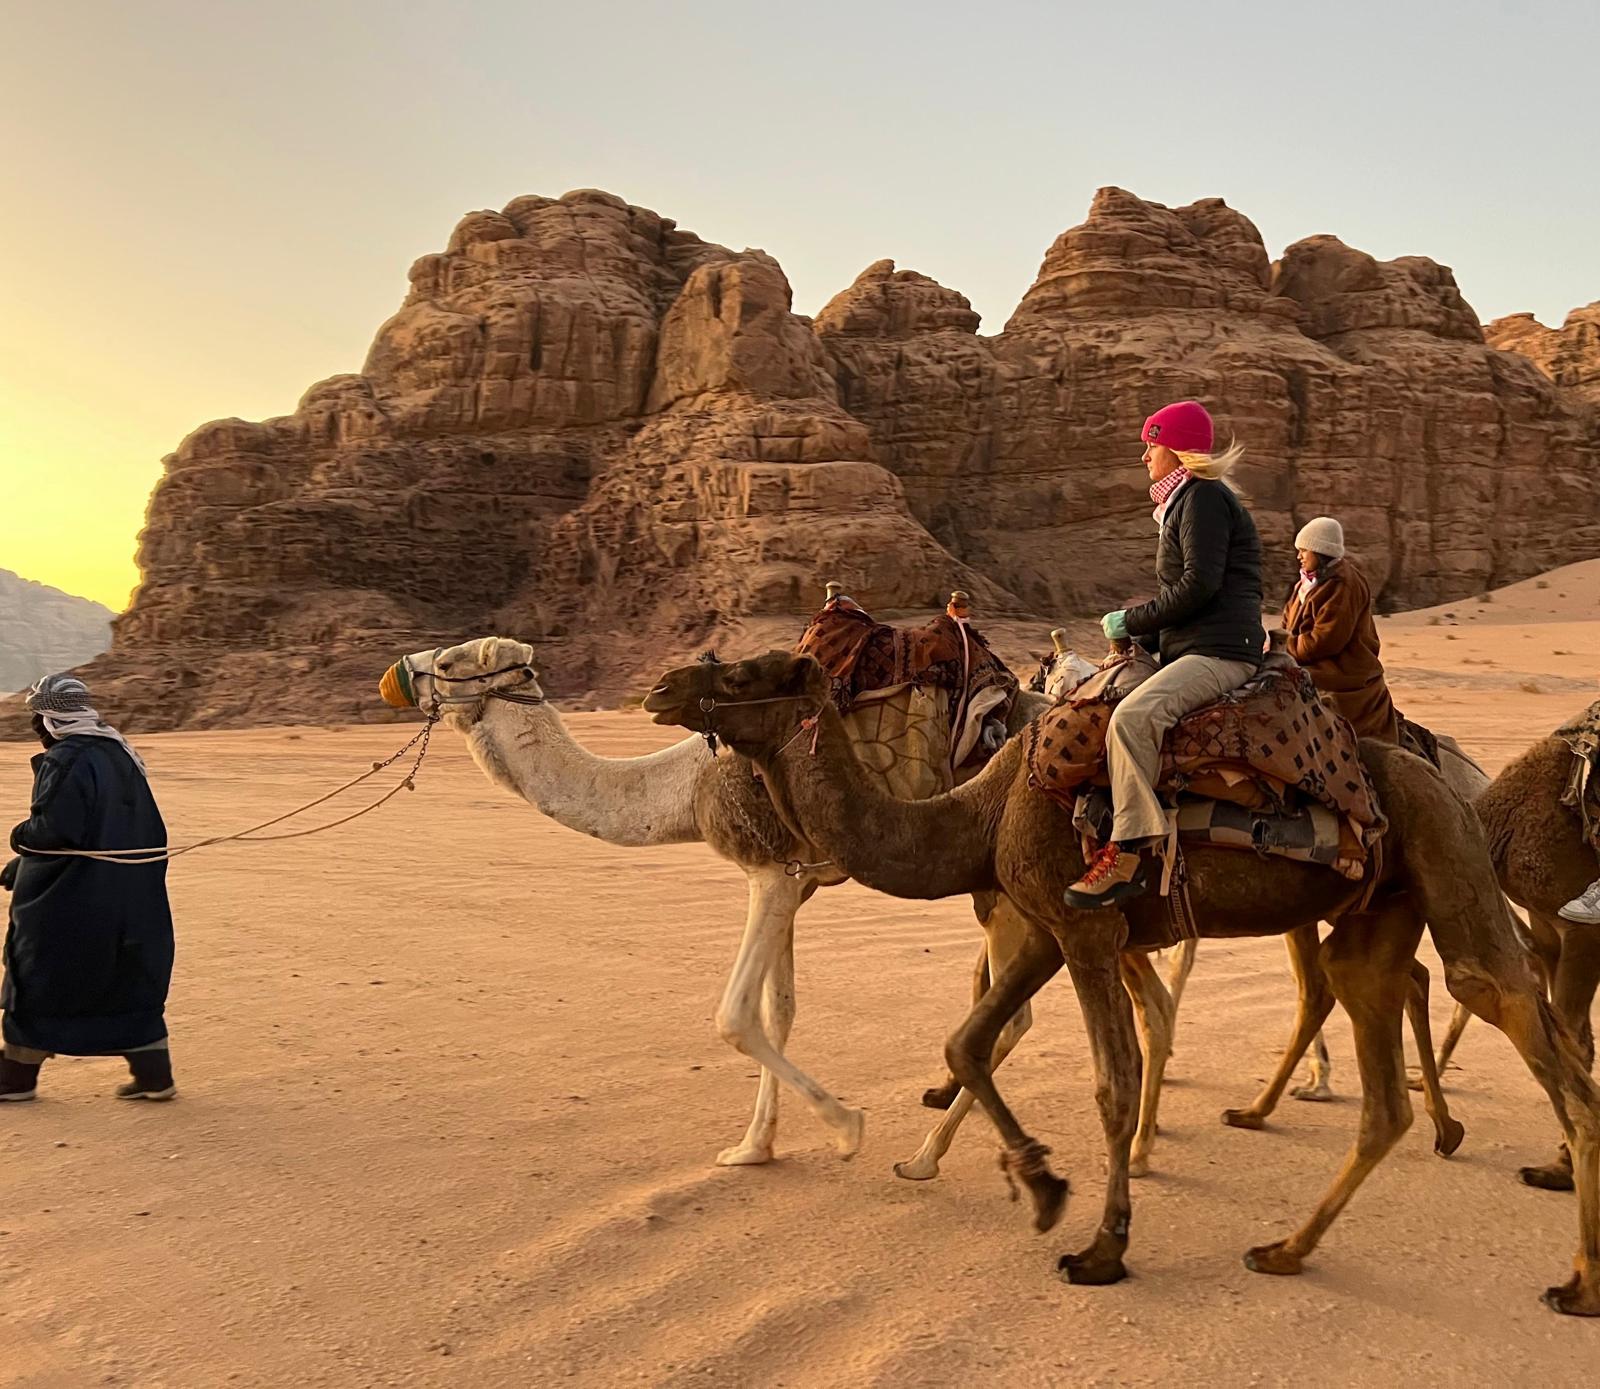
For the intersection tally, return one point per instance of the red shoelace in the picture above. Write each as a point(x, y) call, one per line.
point(1101, 868)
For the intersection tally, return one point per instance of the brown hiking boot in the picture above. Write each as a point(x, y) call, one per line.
point(1114, 875)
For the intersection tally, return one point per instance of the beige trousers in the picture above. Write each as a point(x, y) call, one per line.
point(1141, 721)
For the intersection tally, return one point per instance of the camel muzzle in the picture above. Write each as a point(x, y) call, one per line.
point(395, 688)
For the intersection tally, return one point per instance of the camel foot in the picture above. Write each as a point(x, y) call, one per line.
point(1553, 1176)
point(1413, 1080)
point(1317, 1093)
point(847, 1141)
point(1448, 1137)
point(1139, 1164)
point(1274, 1258)
point(745, 1155)
point(1049, 1194)
point(1573, 1299)
point(1092, 1268)
point(941, 1096)
point(918, 1169)
point(1243, 1119)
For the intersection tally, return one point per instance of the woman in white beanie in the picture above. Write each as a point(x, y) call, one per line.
point(1332, 633)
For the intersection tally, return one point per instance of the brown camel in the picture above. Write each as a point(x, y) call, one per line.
point(998, 832)
point(1543, 861)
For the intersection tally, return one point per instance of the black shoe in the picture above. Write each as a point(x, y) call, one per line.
point(152, 1076)
point(17, 1080)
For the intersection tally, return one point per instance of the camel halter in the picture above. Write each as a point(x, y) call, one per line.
point(401, 677)
point(709, 704)
point(812, 723)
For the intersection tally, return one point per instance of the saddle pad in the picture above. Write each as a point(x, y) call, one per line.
point(1264, 746)
point(1309, 834)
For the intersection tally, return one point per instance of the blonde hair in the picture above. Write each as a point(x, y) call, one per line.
point(1214, 467)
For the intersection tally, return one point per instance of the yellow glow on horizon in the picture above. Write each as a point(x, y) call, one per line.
point(74, 495)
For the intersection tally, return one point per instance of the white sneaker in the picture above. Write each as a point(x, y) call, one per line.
point(1585, 907)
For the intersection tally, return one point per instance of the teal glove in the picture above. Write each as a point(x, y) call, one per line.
point(1115, 625)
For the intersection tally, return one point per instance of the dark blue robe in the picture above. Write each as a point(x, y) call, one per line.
point(88, 955)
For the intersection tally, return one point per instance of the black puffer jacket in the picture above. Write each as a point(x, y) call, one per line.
point(1209, 566)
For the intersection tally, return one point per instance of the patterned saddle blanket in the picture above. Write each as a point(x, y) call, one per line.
point(1270, 746)
point(861, 656)
point(1582, 735)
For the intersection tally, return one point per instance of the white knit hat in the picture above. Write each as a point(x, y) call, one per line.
point(1321, 535)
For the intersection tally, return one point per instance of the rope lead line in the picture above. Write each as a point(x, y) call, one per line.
point(253, 835)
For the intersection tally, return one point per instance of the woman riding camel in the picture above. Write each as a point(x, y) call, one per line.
point(1205, 622)
point(1332, 634)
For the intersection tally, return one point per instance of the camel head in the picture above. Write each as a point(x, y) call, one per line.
point(754, 706)
point(456, 681)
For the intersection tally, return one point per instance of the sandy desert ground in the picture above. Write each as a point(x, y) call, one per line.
point(451, 1091)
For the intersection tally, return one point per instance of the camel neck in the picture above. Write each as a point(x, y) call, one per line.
point(917, 849)
point(628, 801)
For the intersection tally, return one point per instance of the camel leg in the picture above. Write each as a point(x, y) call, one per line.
point(1452, 1037)
point(1178, 975)
point(970, 1051)
point(1447, 1132)
point(1108, 1020)
point(943, 1095)
point(768, 946)
point(1319, 1088)
point(1367, 962)
point(1004, 929)
point(1502, 992)
point(777, 1019)
point(1573, 978)
point(1315, 1003)
point(1487, 967)
point(1156, 1011)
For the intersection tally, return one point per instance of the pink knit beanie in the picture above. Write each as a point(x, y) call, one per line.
point(1184, 427)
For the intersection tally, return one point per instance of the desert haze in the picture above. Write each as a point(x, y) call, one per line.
point(451, 1095)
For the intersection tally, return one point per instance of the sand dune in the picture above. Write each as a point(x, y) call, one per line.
point(451, 1091)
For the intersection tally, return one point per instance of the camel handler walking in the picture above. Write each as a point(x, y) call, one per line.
point(1205, 622)
point(1331, 631)
point(88, 956)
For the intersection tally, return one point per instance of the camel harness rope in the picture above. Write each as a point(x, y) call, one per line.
point(164, 853)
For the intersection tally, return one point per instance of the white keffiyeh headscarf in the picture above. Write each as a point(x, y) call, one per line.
point(62, 701)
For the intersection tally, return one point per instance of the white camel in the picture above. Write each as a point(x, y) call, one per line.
point(488, 690)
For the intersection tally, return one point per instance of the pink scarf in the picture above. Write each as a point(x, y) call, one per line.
point(1161, 492)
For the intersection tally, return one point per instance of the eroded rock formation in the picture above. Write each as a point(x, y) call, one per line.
point(1568, 355)
point(591, 429)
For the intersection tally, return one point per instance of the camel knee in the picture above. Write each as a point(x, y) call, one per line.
point(1475, 990)
point(966, 1063)
point(738, 1027)
point(1017, 1028)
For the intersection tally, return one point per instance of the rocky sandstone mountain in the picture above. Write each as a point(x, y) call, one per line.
point(1568, 355)
point(43, 630)
point(591, 429)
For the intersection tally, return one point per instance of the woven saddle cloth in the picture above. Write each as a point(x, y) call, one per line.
point(1269, 746)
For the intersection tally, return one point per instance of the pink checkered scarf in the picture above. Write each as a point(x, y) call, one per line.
point(1161, 492)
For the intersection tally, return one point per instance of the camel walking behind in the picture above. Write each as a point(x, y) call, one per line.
point(1000, 833)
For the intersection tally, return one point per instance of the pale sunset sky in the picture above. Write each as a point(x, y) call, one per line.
point(210, 204)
